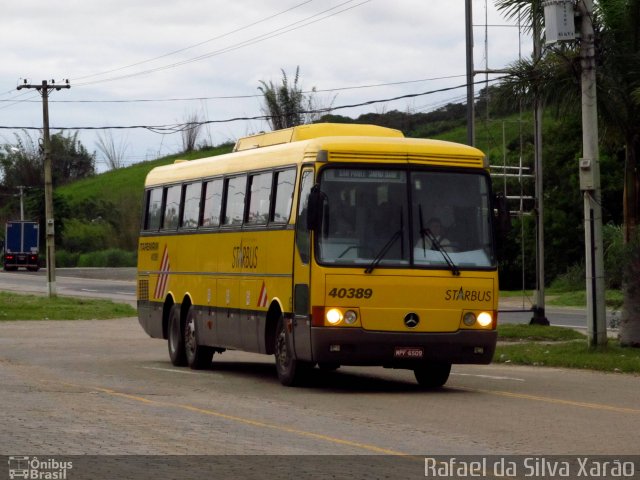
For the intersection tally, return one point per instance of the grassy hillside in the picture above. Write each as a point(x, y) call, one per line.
point(124, 181)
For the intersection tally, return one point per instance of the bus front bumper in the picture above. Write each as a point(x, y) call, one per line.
point(355, 346)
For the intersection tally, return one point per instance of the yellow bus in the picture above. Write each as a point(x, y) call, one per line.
point(326, 245)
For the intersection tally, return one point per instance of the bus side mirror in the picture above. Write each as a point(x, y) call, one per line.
point(314, 208)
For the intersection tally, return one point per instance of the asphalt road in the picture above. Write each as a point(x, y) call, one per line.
point(104, 387)
point(107, 392)
point(117, 284)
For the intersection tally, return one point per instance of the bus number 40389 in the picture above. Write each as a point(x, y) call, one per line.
point(351, 293)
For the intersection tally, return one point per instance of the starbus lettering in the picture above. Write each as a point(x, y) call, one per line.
point(467, 295)
point(245, 257)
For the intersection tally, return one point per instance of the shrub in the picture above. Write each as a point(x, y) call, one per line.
point(65, 259)
point(112, 258)
point(573, 279)
point(614, 255)
point(614, 264)
point(82, 236)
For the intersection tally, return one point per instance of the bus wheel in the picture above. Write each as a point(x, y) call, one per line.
point(290, 370)
point(198, 356)
point(432, 375)
point(176, 340)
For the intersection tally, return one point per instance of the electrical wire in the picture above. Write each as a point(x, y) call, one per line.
point(218, 37)
point(252, 41)
point(179, 127)
point(237, 97)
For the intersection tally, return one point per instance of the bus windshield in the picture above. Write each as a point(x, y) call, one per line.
point(405, 218)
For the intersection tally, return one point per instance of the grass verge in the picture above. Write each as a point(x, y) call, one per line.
point(561, 347)
point(558, 298)
point(32, 307)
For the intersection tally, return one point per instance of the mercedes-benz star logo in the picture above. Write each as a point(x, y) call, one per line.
point(411, 320)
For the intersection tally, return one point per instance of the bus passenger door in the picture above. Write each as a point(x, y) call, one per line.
point(301, 273)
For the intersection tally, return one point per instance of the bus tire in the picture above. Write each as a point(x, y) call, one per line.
point(432, 375)
point(198, 356)
point(175, 338)
point(291, 372)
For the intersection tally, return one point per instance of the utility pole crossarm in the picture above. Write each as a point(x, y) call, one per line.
point(45, 85)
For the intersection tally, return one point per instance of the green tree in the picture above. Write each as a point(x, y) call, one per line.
point(70, 160)
point(22, 163)
point(617, 28)
point(286, 105)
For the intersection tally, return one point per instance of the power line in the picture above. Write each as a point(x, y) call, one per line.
point(274, 33)
point(179, 127)
point(218, 37)
point(237, 97)
point(251, 41)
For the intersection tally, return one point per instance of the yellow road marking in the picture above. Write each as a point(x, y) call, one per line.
point(340, 441)
point(557, 401)
point(253, 423)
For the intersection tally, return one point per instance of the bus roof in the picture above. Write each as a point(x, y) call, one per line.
point(316, 130)
point(343, 142)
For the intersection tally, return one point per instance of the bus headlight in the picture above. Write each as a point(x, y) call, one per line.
point(350, 317)
point(469, 319)
point(484, 319)
point(334, 316)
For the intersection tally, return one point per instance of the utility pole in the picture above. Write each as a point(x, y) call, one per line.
point(468, 17)
point(44, 89)
point(539, 317)
point(590, 183)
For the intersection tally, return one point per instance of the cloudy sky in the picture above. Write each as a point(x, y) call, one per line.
point(157, 62)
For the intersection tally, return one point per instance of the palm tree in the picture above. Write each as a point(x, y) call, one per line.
point(554, 76)
point(284, 104)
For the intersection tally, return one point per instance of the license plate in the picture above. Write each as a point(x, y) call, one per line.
point(408, 352)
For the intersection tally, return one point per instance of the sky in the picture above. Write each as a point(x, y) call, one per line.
point(157, 63)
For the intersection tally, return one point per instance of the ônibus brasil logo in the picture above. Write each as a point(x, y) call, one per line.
point(35, 468)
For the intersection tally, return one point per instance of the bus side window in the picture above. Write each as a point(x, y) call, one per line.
point(283, 195)
point(234, 200)
point(153, 212)
point(259, 196)
point(172, 207)
point(302, 233)
point(212, 203)
point(190, 204)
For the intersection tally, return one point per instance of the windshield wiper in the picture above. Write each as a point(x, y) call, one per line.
point(383, 251)
point(425, 232)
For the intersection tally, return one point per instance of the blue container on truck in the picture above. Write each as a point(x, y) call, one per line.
point(22, 245)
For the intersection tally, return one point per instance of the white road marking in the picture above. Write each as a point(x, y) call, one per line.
point(172, 370)
point(492, 377)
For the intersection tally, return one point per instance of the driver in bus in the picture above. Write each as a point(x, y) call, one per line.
point(435, 226)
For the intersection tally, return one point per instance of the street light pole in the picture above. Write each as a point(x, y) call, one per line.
point(48, 181)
